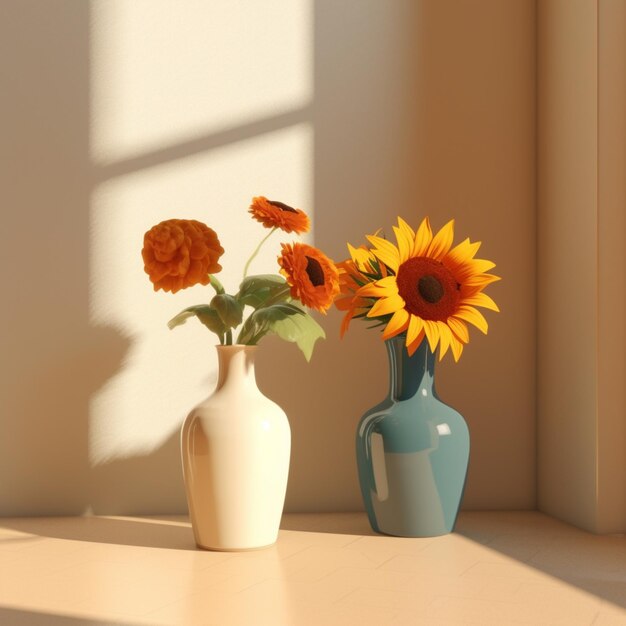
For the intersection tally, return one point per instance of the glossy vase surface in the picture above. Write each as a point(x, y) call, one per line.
point(235, 451)
point(412, 451)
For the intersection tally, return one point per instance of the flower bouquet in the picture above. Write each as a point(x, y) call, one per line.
point(181, 253)
point(236, 444)
point(412, 449)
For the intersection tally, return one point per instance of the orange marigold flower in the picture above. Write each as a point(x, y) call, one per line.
point(274, 214)
point(180, 253)
point(312, 276)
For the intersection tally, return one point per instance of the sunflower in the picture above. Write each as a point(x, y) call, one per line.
point(312, 276)
point(274, 214)
point(431, 290)
point(180, 253)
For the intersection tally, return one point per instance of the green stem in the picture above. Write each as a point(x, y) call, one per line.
point(245, 269)
point(219, 288)
point(226, 339)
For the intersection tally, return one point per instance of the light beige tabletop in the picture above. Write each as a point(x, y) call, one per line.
point(326, 569)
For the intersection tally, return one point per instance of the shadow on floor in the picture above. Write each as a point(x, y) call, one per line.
point(594, 563)
point(173, 533)
point(15, 617)
point(332, 523)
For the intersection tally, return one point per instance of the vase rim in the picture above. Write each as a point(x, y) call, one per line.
point(235, 347)
point(401, 338)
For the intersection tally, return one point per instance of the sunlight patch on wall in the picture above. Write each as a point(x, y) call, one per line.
point(166, 76)
point(165, 72)
point(166, 372)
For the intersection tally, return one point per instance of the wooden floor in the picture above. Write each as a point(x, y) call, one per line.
point(497, 568)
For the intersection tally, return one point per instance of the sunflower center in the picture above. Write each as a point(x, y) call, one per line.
point(282, 206)
point(314, 271)
point(428, 288)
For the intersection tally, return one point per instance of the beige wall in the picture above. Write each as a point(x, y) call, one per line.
point(611, 499)
point(122, 114)
point(581, 165)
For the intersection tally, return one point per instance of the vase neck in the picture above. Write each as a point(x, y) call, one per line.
point(410, 375)
point(236, 366)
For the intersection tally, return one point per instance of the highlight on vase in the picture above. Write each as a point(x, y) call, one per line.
point(180, 253)
point(420, 287)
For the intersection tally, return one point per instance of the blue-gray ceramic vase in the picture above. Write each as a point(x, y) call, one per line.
point(412, 451)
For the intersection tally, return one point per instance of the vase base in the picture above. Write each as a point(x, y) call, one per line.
point(413, 536)
point(253, 549)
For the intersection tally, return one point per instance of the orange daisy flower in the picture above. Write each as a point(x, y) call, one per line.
point(180, 253)
point(312, 276)
point(274, 214)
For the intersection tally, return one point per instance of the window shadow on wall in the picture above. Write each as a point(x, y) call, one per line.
point(52, 358)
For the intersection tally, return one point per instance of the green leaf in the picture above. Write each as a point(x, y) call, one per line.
point(377, 325)
point(301, 329)
point(205, 313)
point(376, 266)
point(263, 290)
point(259, 322)
point(287, 321)
point(371, 276)
point(228, 309)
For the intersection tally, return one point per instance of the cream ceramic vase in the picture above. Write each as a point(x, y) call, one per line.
point(235, 451)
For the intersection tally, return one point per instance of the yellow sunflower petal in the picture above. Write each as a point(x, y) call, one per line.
point(361, 256)
point(389, 282)
point(384, 306)
point(473, 316)
point(442, 242)
point(402, 224)
point(416, 326)
point(473, 267)
point(353, 251)
point(459, 329)
point(481, 299)
point(384, 287)
point(457, 348)
point(445, 337)
point(432, 333)
point(461, 253)
point(405, 237)
point(423, 237)
point(414, 345)
point(385, 251)
point(480, 280)
point(397, 324)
